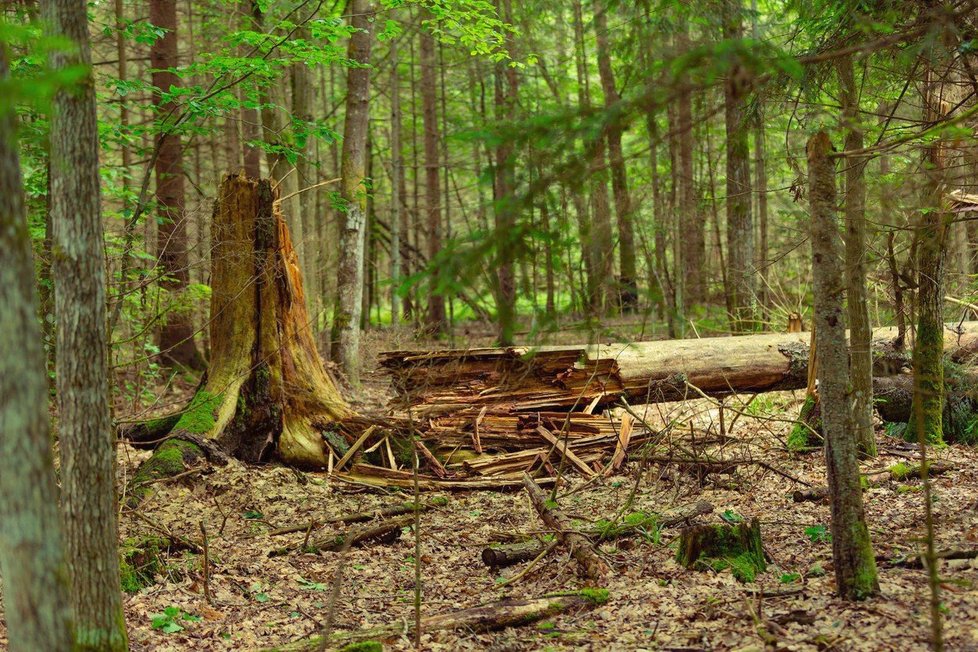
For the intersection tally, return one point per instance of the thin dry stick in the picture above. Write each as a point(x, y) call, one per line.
point(516, 578)
point(206, 563)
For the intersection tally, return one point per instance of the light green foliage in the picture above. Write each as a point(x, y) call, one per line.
point(363, 646)
point(801, 437)
point(818, 534)
point(172, 620)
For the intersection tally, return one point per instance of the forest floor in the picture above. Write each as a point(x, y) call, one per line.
point(259, 601)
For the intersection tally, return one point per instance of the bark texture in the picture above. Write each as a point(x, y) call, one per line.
point(86, 434)
point(740, 225)
point(861, 331)
point(852, 551)
point(436, 321)
point(32, 560)
point(349, 280)
point(176, 339)
point(692, 244)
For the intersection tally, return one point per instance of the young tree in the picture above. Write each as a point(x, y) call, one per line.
point(349, 281)
point(397, 184)
point(176, 338)
point(32, 563)
point(86, 434)
point(852, 551)
point(692, 246)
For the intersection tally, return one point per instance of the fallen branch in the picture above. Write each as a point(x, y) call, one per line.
point(384, 532)
point(359, 517)
point(486, 618)
point(580, 547)
point(896, 473)
point(508, 554)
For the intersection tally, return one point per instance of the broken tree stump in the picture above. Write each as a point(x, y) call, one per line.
point(580, 547)
point(266, 389)
point(721, 546)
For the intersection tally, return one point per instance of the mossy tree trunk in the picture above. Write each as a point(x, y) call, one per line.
point(852, 551)
point(266, 389)
point(721, 546)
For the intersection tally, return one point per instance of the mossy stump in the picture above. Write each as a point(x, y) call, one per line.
point(721, 546)
point(806, 434)
point(266, 390)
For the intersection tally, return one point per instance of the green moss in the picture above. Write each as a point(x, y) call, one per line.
point(198, 418)
point(723, 546)
point(900, 471)
point(593, 595)
point(170, 459)
point(363, 646)
point(909, 489)
point(927, 410)
point(801, 436)
point(140, 562)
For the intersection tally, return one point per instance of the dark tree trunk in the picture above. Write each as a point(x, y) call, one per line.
point(32, 558)
point(740, 225)
point(436, 321)
point(176, 338)
point(693, 242)
point(852, 551)
point(86, 436)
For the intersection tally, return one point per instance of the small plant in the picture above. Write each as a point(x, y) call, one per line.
point(169, 621)
point(731, 516)
point(790, 578)
point(818, 534)
point(312, 586)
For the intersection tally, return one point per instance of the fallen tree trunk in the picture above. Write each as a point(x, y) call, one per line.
point(560, 378)
point(894, 397)
point(508, 554)
point(580, 546)
point(486, 618)
point(896, 473)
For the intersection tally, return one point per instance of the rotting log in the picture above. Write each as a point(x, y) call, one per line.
point(360, 517)
point(507, 554)
point(896, 473)
point(517, 379)
point(894, 397)
point(486, 618)
point(580, 546)
point(384, 532)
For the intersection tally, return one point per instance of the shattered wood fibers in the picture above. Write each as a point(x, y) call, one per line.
point(258, 601)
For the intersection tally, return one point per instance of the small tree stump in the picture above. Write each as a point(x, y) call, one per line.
point(721, 546)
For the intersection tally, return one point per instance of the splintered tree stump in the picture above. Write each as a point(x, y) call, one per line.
point(721, 546)
point(266, 389)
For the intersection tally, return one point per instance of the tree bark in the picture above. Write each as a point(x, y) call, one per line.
point(176, 338)
point(436, 320)
point(86, 435)
point(266, 389)
point(397, 185)
point(250, 122)
point(627, 281)
point(852, 551)
point(856, 254)
point(349, 283)
point(740, 225)
point(303, 99)
point(693, 242)
point(32, 558)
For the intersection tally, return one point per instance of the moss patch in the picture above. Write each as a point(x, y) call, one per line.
point(723, 546)
point(801, 437)
point(199, 416)
point(140, 562)
point(363, 646)
point(172, 457)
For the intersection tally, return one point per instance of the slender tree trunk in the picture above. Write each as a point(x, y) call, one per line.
point(32, 559)
point(176, 338)
point(760, 181)
point(349, 282)
point(250, 122)
point(928, 362)
point(852, 550)
point(693, 243)
point(628, 282)
point(435, 322)
point(86, 434)
point(397, 185)
point(302, 109)
point(740, 226)
point(861, 331)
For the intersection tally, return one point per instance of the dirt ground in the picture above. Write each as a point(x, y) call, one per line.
point(259, 601)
